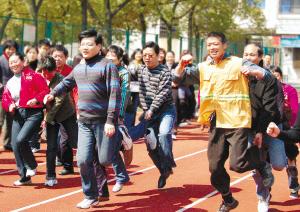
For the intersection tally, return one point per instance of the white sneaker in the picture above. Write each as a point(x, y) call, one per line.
point(20, 182)
point(87, 203)
point(30, 172)
point(150, 138)
point(126, 141)
point(263, 204)
point(174, 137)
point(117, 187)
point(51, 182)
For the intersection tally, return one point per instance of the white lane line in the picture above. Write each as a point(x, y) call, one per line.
point(14, 170)
point(111, 180)
point(213, 193)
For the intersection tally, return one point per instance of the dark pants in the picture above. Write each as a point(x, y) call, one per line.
point(25, 123)
point(241, 158)
point(52, 132)
point(6, 124)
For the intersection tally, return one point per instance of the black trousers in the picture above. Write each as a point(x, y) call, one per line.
point(232, 143)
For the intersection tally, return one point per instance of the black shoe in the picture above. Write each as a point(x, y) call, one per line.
point(224, 207)
point(267, 176)
point(66, 171)
point(163, 179)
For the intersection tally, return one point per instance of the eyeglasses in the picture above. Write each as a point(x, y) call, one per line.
point(148, 55)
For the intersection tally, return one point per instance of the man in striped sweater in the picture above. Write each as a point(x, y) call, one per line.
point(98, 105)
point(159, 111)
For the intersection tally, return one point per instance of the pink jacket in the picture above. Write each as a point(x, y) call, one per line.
point(33, 85)
point(291, 96)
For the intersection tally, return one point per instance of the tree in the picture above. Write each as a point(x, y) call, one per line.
point(34, 8)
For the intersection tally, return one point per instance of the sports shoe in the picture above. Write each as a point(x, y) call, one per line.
point(126, 141)
point(150, 138)
point(174, 136)
point(35, 150)
point(51, 182)
point(263, 204)
point(294, 193)
point(25, 181)
point(267, 175)
point(66, 171)
point(117, 187)
point(87, 203)
point(30, 172)
point(224, 207)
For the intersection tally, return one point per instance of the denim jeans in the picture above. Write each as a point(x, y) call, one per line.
point(91, 137)
point(25, 123)
point(71, 128)
point(162, 122)
point(276, 151)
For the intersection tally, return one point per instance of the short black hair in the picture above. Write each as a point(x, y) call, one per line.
point(60, 48)
point(134, 53)
point(10, 44)
point(47, 63)
point(217, 35)
point(276, 69)
point(19, 55)
point(152, 45)
point(91, 33)
point(44, 42)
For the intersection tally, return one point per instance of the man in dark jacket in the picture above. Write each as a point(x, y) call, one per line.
point(9, 48)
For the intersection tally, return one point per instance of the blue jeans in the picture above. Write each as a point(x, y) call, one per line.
point(91, 137)
point(162, 122)
point(119, 167)
point(276, 151)
point(25, 123)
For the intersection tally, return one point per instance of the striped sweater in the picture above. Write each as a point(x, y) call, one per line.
point(98, 85)
point(155, 88)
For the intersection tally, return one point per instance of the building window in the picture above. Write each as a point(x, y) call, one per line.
point(289, 7)
point(260, 4)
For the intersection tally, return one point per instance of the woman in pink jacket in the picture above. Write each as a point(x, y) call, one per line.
point(23, 98)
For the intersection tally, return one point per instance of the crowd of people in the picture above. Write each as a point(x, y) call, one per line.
point(91, 105)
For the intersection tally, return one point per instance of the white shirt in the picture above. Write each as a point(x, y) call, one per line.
point(14, 87)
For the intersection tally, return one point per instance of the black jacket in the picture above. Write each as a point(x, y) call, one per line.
point(265, 103)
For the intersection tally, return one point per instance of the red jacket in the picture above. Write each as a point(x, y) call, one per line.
point(33, 85)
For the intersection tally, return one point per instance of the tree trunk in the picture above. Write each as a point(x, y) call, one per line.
point(143, 28)
point(190, 29)
point(84, 8)
point(108, 22)
point(170, 36)
point(3, 26)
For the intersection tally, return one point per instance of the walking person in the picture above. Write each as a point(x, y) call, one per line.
point(98, 109)
point(225, 106)
point(267, 106)
point(61, 112)
point(9, 48)
point(23, 98)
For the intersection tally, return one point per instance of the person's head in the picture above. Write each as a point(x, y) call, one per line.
point(150, 54)
point(60, 54)
point(48, 67)
point(216, 44)
point(267, 60)
point(44, 47)
point(162, 56)
point(277, 72)
point(10, 47)
point(16, 63)
point(170, 57)
point(31, 53)
point(253, 53)
point(137, 56)
point(116, 55)
point(90, 43)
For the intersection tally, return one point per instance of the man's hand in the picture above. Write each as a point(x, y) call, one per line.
point(273, 130)
point(148, 115)
point(32, 102)
point(109, 130)
point(12, 108)
point(246, 71)
point(48, 98)
point(257, 141)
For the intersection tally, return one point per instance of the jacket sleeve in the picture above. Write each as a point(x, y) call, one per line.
point(7, 100)
point(58, 101)
point(41, 86)
point(113, 93)
point(65, 86)
point(293, 134)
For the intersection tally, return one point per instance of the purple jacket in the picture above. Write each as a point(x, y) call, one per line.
point(291, 97)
